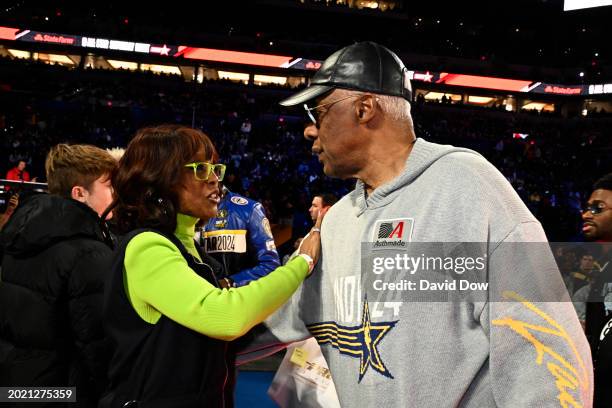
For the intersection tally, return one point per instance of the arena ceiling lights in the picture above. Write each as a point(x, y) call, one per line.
point(582, 4)
point(280, 61)
point(437, 96)
point(118, 64)
point(235, 57)
point(483, 82)
point(20, 54)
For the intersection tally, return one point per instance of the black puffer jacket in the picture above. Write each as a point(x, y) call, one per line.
point(56, 261)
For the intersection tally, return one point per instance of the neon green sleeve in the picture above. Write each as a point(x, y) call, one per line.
point(158, 281)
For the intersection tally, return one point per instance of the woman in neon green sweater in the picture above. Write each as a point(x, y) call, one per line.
point(170, 322)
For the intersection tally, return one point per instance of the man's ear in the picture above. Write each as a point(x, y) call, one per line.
point(79, 193)
point(366, 108)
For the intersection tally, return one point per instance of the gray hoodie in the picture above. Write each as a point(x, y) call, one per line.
point(520, 350)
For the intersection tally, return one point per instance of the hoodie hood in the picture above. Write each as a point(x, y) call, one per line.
point(41, 220)
point(423, 155)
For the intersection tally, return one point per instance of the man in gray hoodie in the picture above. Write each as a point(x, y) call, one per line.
point(396, 342)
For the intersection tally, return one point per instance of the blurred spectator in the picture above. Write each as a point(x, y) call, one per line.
point(19, 173)
point(583, 276)
point(320, 202)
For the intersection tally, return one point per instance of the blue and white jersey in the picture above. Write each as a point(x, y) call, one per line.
point(241, 239)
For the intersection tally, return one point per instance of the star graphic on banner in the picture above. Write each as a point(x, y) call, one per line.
point(427, 77)
point(164, 50)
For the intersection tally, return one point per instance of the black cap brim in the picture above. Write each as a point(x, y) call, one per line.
point(306, 95)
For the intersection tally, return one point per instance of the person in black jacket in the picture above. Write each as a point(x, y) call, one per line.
point(56, 260)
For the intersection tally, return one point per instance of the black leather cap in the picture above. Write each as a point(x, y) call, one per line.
point(364, 66)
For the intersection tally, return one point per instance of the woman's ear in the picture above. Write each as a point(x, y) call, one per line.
point(79, 193)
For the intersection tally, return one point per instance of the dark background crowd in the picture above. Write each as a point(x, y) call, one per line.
point(552, 169)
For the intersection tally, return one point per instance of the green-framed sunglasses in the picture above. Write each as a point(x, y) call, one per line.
point(203, 170)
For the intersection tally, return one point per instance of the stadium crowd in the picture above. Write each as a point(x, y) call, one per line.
point(262, 143)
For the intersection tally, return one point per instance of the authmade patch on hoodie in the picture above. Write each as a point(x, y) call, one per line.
point(393, 233)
